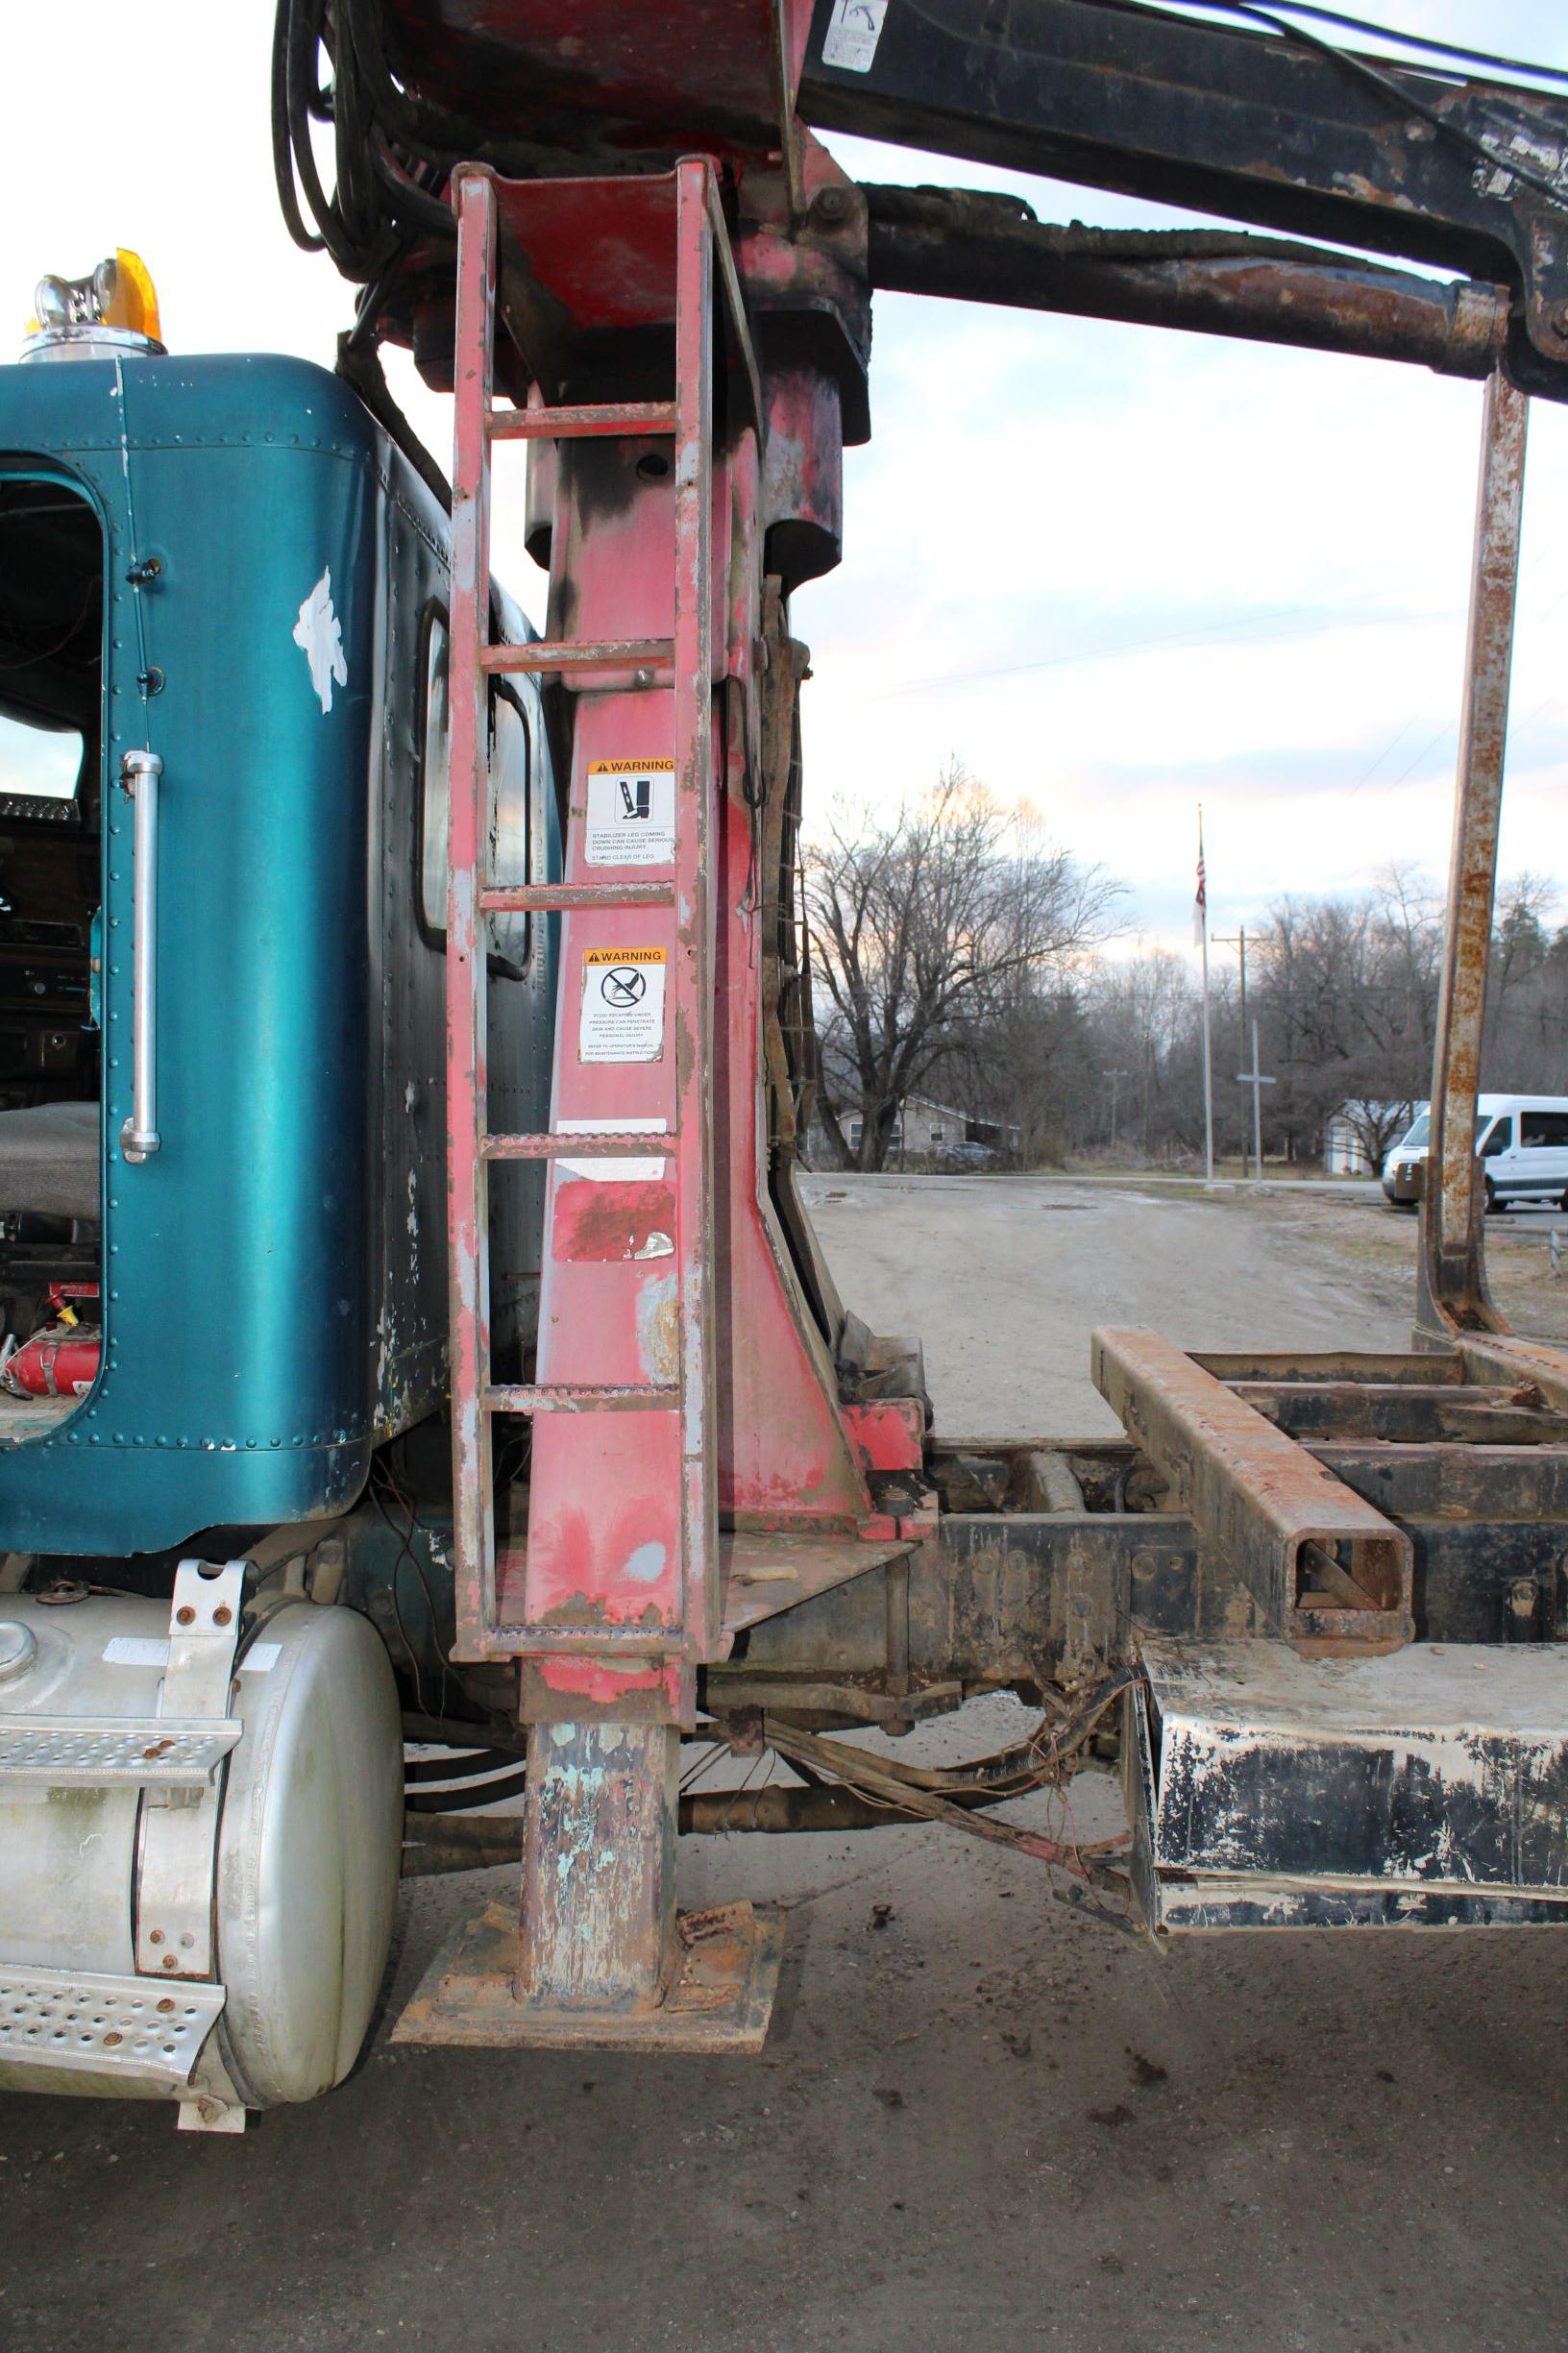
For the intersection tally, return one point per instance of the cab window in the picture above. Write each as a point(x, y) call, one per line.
point(511, 780)
point(433, 803)
point(1501, 1139)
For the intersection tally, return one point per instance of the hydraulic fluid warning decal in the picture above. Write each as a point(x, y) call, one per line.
point(631, 813)
point(622, 1005)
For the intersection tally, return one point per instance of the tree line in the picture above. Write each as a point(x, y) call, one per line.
point(954, 953)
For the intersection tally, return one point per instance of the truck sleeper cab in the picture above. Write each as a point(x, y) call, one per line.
point(226, 562)
point(1522, 1139)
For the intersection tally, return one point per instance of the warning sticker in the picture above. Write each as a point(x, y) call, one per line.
point(622, 1005)
point(631, 813)
point(853, 32)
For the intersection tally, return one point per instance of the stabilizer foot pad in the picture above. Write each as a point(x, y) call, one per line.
point(720, 2003)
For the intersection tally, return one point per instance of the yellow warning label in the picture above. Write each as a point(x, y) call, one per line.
point(622, 1004)
point(630, 816)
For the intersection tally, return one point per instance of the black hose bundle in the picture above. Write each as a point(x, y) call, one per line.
point(391, 153)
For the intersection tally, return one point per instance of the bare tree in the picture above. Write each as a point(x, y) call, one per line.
point(923, 930)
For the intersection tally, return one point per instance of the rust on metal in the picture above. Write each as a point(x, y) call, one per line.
point(1455, 1296)
point(1475, 1414)
point(977, 246)
point(610, 420)
point(719, 1999)
point(1320, 1562)
point(648, 658)
point(557, 897)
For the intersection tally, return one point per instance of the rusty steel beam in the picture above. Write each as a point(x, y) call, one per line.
point(990, 248)
point(1322, 1564)
point(1427, 167)
point(1452, 1294)
point(1477, 1413)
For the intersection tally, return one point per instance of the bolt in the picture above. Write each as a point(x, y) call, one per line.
point(831, 205)
point(185, 1616)
point(1521, 1596)
point(170, 1961)
point(157, 1937)
point(222, 1614)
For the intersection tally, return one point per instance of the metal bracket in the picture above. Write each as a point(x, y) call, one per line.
point(178, 1827)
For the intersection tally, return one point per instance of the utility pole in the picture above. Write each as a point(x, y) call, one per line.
point(1116, 1078)
point(1254, 1079)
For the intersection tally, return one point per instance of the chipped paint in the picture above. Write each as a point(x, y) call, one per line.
point(319, 635)
point(1440, 1768)
point(658, 1327)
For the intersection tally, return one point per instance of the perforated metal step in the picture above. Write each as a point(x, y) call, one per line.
point(101, 1751)
point(133, 2027)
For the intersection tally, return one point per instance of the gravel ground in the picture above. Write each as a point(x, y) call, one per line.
point(981, 2120)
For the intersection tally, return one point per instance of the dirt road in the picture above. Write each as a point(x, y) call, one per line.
point(1005, 1278)
point(982, 2123)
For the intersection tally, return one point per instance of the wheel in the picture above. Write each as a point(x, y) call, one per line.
point(1563, 1203)
point(1491, 1192)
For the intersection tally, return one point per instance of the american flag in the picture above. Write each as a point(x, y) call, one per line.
point(1200, 903)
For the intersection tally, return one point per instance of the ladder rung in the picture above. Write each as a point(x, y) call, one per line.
point(575, 655)
point(610, 420)
point(549, 897)
point(580, 1396)
point(596, 1144)
point(603, 1641)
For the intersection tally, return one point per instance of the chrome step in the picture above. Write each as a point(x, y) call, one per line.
point(105, 1752)
point(135, 2028)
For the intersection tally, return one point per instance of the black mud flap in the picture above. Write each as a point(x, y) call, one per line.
point(1426, 1788)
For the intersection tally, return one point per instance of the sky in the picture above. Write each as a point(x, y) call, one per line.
point(1118, 570)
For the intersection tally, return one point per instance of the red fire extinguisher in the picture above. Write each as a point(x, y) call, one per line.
point(62, 1359)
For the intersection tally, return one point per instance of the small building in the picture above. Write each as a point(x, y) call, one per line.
point(924, 1130)
point(1352, 1133)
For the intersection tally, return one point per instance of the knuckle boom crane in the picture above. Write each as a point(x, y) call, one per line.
point(615, 1460)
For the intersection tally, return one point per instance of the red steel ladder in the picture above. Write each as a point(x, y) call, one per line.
point(684, 661)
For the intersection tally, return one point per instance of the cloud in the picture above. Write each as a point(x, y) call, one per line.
point(1040, 491)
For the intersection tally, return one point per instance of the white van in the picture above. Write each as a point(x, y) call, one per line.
point(1521, 1138)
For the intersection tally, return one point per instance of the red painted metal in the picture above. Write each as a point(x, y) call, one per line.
point(888, 1435)
point(669, 1298)
point(605, 1144)
point(548, 897)
point(654, 655)
point(62, 1360)
point(608, 420)
point(709, 73)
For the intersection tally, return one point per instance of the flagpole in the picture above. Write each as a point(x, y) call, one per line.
point(1207, 1057)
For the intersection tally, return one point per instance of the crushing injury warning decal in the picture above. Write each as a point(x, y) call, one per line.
point(622, 1005)
point(631, 813)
